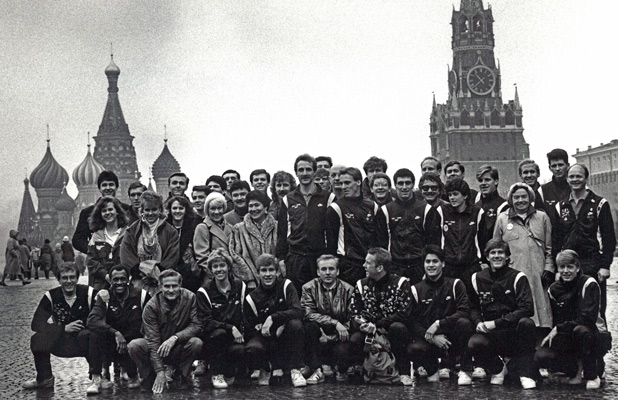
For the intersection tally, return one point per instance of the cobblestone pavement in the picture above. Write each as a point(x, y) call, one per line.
point(17, 304)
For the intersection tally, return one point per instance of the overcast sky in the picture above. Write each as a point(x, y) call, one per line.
point(248, 84)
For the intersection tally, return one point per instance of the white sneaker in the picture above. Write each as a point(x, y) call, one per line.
point(464, 379)
point(95, 387)
point(422, 372)
point(327, 370)
point(106, 383)
point(278, 373)
point(263, 377)
point(316, 377)
point(527, 383)
point(406, 380)
point(444, 373)
point(434, 378)
point(498, 379)
point(218, 381)
point(593, 383)
point(255, 374)
point(298, 379)
point(544, 372)
point(479, 373)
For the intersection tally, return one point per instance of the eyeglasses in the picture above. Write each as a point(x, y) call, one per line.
point(429, 188)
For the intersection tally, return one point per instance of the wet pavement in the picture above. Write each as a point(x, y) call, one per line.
point(17, 304)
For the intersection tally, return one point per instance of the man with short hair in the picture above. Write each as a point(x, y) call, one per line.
point(586, 225)
point(326, 303)
point(529, 173)
point(558, 188)
point(230, 177)
point(350, 227)
point(431, 188)
point(107, 182)
point(170, 326)
point(260, 179)
point(455, 169)
point(382, 301)
point(218, 184)
point(198, 195)
point(238, 191)
point(335, 181)
point(135, 193)
point(273, 328)
point(371, 167)
point(490, 201)
point(117, 320)
point(178, 183)
point(440, 321)
point(431, 164)
point(59, 324)
point(302, 223)
point(324, 162)
point(322, 179)
point(380, 187)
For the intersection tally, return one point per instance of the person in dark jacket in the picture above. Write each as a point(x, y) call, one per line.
point(67, 250)
point(351, 227)
point(238, 194)
point(529, 173)
point(282, 183)
point(59, 324)
point(382, 301)
point(301, 225)
point(116, 319)
point(558, 188)
point(490, 202)
point(500, 307)
point(181, 216)
point(326, 303)
point(574, 300)
point(440, 321)
point(48, 261)
point(455, 169)
point(273, 328)
point(135, 192)
point(219, 305)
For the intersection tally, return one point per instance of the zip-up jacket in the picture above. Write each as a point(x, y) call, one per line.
point(382, 302)
point(445, 300)
point(53, 312)
point(575, 303)
point(405, 227)
point(119, 316)
point(553, 192)
point(492, 205)
point(318, 306)
point(591, 233)
point(280, 302)
point(351, 228)
point(502, 296)
point(460, 235)
point(219, 311)
point(301, 226)
point(82, 233)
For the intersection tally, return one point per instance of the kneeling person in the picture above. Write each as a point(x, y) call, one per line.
point(440, 319)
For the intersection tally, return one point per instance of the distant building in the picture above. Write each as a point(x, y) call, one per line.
point(164, 166)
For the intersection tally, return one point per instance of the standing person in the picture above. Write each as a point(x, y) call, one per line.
point(431, 188)
point(135, 192)
point(324, 162)
point(501, 306)
point(177, 183)
point(301, 225)
point(151, 245)
point(260, 179)
point(321, 178)
point(230, 177)
point(107, 182)
point(335, 181)
point(273, 328)
point(220, 306)
point(281, 184)
point(440, 321)
point(380, 187)
point(117, 322)
point(216, 183)
point(57, 256)
point(198, 195)
point(326, 302)
point(59, 325)
point(529, 173)
point(170, 325)
point(372, 166)
point(35, 256)
point(558, 188)
point(24, 256)
point(528, 233)
point(490, 201)
point(13, 259)
point(238, 193)
point(256, 235)
point(108, 222)
point(586, 225)
point(455, 169)
point(67, 250)
point(350, 227)
point(431, 164)
point(180, 215)
point(48, 261)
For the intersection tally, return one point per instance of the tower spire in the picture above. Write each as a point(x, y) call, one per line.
point(48, 140)
point(165, 133)
point(516, 101)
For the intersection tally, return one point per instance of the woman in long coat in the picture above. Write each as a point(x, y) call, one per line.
point(12, 266)
point(528, 233)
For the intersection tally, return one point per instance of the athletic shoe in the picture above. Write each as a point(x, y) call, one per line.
point(444, 373)
point(94, 388)
point(278, 373)
point(434, 378)
point(327, 370)
point(479, 373)
point(544, 373)
point(464, 378)
point(498, 379)
point(527, 383)
point(341, 377)
point(134, 383)
point(263, 377)
point(298, 379)
point(200, 368)
point(218, 381)
point(255, 374)
point(422, 372)
point(593, 383)
point(406, 380)
point(34, 384)
point(316, 377)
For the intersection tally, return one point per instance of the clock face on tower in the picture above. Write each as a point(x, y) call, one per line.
point(481, 80)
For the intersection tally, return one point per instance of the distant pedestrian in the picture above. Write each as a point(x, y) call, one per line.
point(67, 250)
point(24, 254)
point(13, 257)
point(48, 261)
point(35, 256)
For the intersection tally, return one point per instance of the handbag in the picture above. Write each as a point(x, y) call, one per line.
point(379, 366)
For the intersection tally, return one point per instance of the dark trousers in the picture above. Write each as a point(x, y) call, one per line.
point(566, 348)
point(517, 343)
point(301, 268)
point(351, 270)
point(398, 336)
point(411, 269)
point(224, 355)
point(427, 355)
point(64, 345)
point(182, 355)
point(102, 347)
point(285, 351)
point(330, 353)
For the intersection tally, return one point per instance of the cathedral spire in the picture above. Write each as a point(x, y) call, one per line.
point(516, 101)
point(27, 216)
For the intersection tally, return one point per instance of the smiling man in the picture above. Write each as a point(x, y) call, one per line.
point(529, 173)
point(489, 200)
point(238, 193)
point(260, 178)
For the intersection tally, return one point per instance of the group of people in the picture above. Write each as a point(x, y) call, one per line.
point(335, 271)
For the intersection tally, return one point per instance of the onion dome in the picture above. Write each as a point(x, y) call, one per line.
point(87, 172)
point(112, 68)
point(48, 174)
point(65, 202)
point(165, 164)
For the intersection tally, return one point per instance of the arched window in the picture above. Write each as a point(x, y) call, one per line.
point(464, 24)
point(479, 118)
point(477, 23)
point(509, 118)
point(495, 118)
point(465, 118)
